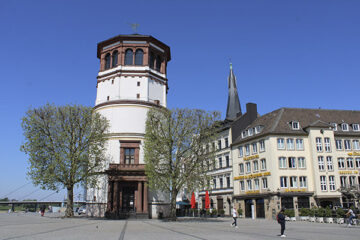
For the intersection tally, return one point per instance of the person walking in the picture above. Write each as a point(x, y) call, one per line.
point(42, 210)
point(350, 214)
point(234, 214)
point(281, 221)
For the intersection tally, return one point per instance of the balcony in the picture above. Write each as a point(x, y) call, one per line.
point(127, 167)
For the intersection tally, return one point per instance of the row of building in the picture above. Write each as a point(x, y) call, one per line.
point(288, 158)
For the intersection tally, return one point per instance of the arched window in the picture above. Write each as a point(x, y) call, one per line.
point(107, 61)
point(158, 63)
point(152, 60)
point(139, 54)
point(129, 57)
point(115, 58)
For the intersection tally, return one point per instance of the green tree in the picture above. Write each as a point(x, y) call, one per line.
point(65, 145)
point(176, 152)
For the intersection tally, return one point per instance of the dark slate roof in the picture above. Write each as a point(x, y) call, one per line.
point(279, 121)
point(233, 104)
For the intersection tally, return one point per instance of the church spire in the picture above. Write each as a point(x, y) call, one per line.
point(233, 105)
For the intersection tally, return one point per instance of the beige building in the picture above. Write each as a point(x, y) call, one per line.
point(294, 158)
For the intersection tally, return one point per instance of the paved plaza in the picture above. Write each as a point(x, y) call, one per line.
point(33, 226)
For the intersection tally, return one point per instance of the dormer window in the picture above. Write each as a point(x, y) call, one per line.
point(334, 125)
point(295, 125)
point(251, 132)
point(244, 134)
point(355, 127)
point(345, 127)
point(258, 129)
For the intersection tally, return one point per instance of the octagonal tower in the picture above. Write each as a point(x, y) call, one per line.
point(132, 79)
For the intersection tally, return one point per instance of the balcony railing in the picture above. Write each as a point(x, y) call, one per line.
point(127, 167)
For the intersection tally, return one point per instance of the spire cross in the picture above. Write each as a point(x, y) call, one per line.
point(134, 26)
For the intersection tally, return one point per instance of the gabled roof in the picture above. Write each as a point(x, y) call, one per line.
point(279, 121)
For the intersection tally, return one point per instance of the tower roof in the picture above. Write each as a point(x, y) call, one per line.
point(233, 105)
point(133, 37)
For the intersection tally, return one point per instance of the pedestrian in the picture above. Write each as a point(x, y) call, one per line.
point(281, 220)
point(42, 210)
point(234, 214)
point(350, 214)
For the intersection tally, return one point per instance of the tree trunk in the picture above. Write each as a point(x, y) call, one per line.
point(174, 193)
point(70, 202)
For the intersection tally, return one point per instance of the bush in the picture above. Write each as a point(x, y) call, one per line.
point(240, 211)
point(304, 212)
point(312, 212)
point(208, 212)
point(214, 212)
point(221, 212)
point(289, 213)
point(328, 212)
point(320, 212)
point(340, 213)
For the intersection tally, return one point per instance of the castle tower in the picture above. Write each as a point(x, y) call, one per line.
point(132, 79)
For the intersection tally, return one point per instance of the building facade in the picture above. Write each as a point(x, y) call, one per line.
point(132, 79)
point(221, 169)
point(294, 158)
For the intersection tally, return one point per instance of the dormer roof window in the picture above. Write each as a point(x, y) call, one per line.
point(356, 127)
point(295, 125)
point(258, 129)
point(345, 127)
point(251, 131)
point(244, 134)
point(334, 125)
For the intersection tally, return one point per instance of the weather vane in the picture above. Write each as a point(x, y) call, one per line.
point(134, 27)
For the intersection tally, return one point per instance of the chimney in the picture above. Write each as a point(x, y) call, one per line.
point(251, 111)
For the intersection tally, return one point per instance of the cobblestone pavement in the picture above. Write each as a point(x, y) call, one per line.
point(52, 226)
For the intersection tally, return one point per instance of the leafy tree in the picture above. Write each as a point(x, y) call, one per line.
point(6, 199)
point(65, 145)
point(175, 149)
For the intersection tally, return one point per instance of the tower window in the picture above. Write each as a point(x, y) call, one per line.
point(138, 84)
point(139, 54)
point(158, 63)
point(128, 57)
point(151, 60)
point(115, 58)
point(138, 96)
point(107, 61)
point(108, 98)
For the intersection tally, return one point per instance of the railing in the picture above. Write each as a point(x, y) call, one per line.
point(127, 167)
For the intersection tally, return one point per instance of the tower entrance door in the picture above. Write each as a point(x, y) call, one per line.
point(128, 199)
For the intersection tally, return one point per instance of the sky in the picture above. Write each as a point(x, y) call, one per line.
point(298, 53)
